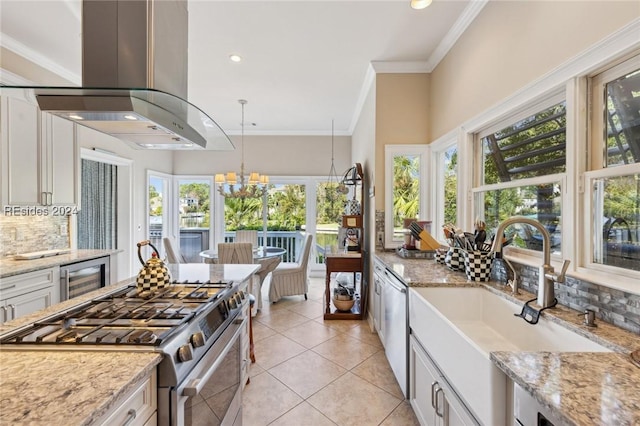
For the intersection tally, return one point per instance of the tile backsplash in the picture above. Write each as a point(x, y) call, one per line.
point(24, 234)
point(616, 307)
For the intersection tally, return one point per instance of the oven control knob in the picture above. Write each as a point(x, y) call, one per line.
point(238, 298)
point(185, 353)
point(242, 295)
point(197, 339)
point(232, 303)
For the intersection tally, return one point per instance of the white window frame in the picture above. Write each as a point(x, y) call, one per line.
point(390, 151)
point(174, 225)
point(436, 168)
point(478, 186)
point(168, 222)
point(570, 75)
point(594, 168)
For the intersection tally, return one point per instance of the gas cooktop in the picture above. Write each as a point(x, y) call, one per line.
point(127, 316)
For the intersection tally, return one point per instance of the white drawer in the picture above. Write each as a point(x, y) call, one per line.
point(137, 408)
point(28, 282)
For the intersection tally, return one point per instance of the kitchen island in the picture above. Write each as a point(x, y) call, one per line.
point(77, 387)
point(579, 388)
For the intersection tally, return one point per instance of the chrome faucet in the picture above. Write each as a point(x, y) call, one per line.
point(547, 277)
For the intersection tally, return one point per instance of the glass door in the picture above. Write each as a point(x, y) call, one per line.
point(158, 203)
point(194, 216)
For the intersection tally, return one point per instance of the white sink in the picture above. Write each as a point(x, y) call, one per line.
point(460, 326)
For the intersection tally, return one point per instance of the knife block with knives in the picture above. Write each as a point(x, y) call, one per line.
point(427, 242)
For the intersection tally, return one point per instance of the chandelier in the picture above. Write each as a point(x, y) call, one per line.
point(255, 186)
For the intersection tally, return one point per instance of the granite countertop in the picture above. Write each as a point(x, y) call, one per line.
point(580, 388)
point(10, 266)
point(78, 387)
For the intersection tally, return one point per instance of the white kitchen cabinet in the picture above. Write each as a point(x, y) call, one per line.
point(30, 292)
point(432, 398)
point(40, 156)
point(139, 407)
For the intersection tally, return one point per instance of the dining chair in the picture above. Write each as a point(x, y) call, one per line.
point(247, 236)
point(292, 278)
point(235, 253)
point(173, 254)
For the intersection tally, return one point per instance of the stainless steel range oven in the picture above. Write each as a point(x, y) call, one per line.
point(197, 326)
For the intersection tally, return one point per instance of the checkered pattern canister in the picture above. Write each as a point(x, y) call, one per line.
point(454, 259)
point(440, 255)
point(478, 265)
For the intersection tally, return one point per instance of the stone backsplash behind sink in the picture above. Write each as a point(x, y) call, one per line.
point(616, 307)
point(25, 234)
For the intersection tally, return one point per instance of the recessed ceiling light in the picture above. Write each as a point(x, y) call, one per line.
point(235, 58)
point(75, 116)
point(420, 4)
point(130, 117)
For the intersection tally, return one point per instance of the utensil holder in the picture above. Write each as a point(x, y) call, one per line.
point(477, 265)
point(454, 259)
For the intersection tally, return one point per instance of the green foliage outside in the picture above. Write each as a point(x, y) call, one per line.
point(406, 188)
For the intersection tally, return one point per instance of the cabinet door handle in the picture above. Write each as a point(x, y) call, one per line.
point(43, 198)
point(131, 416)
point(433, 394)
point(13, 311)
point(437, 407)
point(12, 286)
point(4, 313)
point(50, 198)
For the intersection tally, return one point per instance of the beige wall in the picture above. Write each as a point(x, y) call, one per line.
point(402, 111)
point(511, 44)
point(272, 155)
point(363, 151)
point(26, 69)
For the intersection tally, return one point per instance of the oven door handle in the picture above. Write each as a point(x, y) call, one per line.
point(194, 387)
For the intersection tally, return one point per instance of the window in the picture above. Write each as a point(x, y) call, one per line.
point(613, 182)
point(405, 189)
point(444, 164)
point(522, 163)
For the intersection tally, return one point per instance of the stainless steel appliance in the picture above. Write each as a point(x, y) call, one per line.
point(83, 277)
point(396, 319)
point(529, 412)
point(134, 78)
point(196, 324)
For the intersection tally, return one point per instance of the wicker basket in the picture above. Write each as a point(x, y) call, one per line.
point(344, 305)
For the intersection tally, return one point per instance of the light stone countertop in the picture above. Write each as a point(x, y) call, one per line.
point(78, 387)
point(580, 388)
point(10, 266)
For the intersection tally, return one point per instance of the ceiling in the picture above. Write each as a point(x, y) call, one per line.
point(305, 63)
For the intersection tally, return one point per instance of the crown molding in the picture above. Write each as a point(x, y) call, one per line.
point(288, 133)
point(468, 15)
point(43, 61)
point(383, 67)
point(9, 78)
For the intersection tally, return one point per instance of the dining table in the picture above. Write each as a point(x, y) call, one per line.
point(259, 253)
point(265, 256)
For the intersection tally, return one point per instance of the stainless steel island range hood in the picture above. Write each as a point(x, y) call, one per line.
point(134, 78)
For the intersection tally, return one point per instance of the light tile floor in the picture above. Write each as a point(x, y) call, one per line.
point(311, 372)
